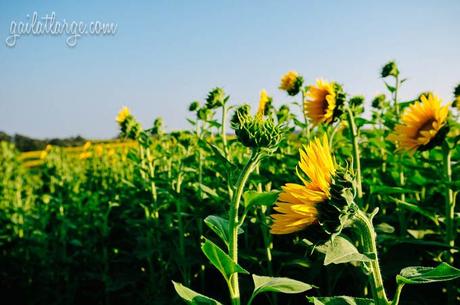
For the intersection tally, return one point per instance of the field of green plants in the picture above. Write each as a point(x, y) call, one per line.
point(250, 206)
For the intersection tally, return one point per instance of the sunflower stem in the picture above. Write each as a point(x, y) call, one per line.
point(368, 235)
point(223, 132)
point(234, 221)
point(450, 214)
point(305, 117)
point(397, 295)
point(356, 154)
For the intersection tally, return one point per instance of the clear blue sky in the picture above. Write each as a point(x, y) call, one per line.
point(168, 53)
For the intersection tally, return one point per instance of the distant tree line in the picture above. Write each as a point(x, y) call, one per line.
point(25, 143)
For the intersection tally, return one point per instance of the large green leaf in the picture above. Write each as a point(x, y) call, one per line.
point(255, 198)
point(193, 298)
point(423, 275)
point(221, 260)
point(278, 284)
point(340, 300)
point(340, 250)
point(220, 226)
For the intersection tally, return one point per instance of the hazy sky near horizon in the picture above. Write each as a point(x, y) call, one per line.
point(166, 54)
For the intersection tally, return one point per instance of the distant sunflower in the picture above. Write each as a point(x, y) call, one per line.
point(298, 205)
point(423, 125)
point(321, 102)
point(123, 114)
point(263, 103)
point(291, 82)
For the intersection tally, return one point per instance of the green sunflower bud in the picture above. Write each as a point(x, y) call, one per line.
point(158, 127)
point(204, 114)
point(380, 101)
point(357, 104)
point(255, 131)
point(216, 98)
point(456, 102)
point(340, 99)
point(390, 69)
point(194, 106)
point(283, 114)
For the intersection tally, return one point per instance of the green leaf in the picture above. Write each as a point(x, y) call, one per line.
point(340, 250)
point(415, 208)
point(193, 298)
point(255, 198)
point(424, 275)
point(278, 284)
point(220, 226)
point(382, 189)
point(389, 87)
point(221, 260)
point(341, 300)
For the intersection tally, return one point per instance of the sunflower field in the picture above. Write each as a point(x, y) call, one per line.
point(340, 205)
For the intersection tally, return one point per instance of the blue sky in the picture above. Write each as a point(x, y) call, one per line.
point(166, 54)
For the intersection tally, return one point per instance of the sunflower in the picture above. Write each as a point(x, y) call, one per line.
point(264, 100)
point(291, 82)
point(321, 103)
point(423, 125)
point(298, 204)
point(123, 114)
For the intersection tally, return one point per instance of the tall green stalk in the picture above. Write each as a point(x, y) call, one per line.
point(449, 214)
point(222, 129)
point(356, 154)
point(234, 221)
point(368, 235)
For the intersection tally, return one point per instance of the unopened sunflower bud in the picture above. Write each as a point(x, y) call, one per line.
point(283, 114)
point(357, 104)
point(255, 131)
point(158, 127)
point(456, 102)
point(390, 69)
point(216, 98)
point(379, 102)
point(291, 82)
point(194, 106)
point(204, 114)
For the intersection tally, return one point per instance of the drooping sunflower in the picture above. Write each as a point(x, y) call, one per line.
point(291, 82)
point(298, 205)
point(423, 125)
point(323, 101)
point(122, 115)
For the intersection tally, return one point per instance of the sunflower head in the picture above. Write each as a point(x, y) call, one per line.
point(321, 200)
point(216, 98)
point(423, 125)
point(389, 69)
point(324, 102)
point(257, 131)
point(264, 103)
point(123, 115)
point(129, 127)
point(291, 82)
